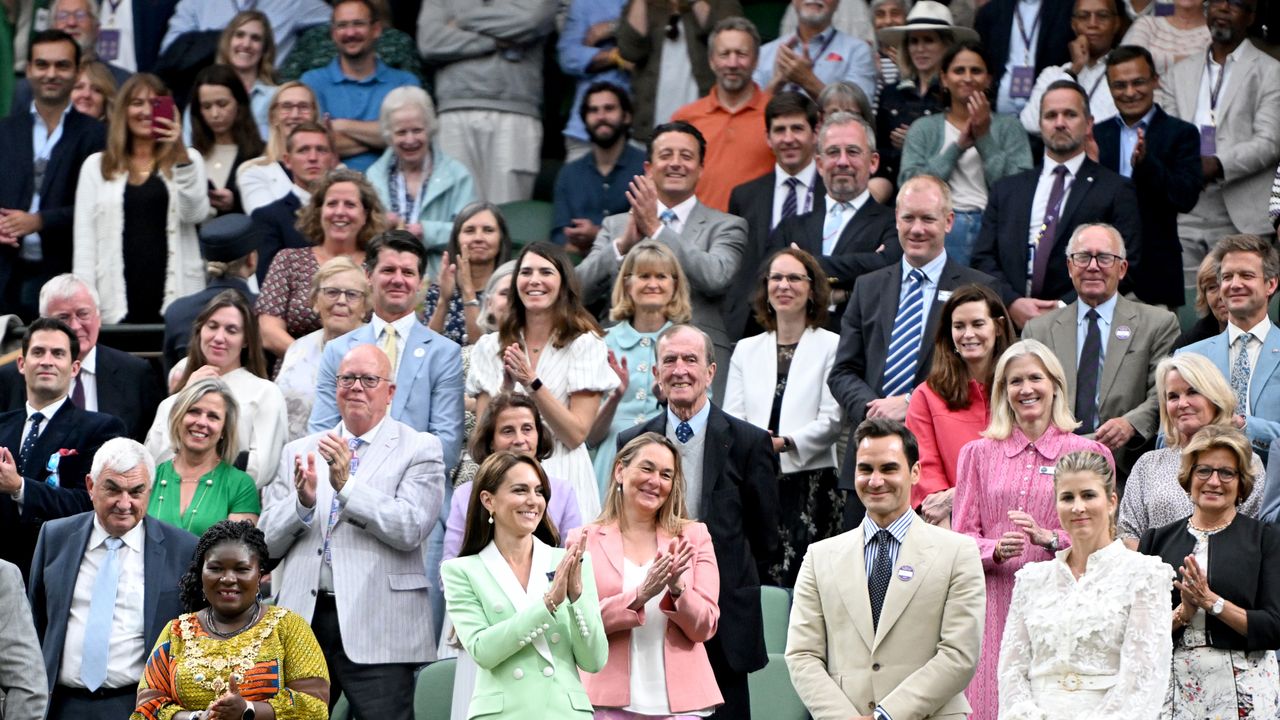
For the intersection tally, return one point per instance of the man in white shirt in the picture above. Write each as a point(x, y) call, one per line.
point(1096, 24)
point(349, 512)
point(103, 585)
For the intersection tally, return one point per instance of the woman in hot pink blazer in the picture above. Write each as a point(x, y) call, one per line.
point(659, 587)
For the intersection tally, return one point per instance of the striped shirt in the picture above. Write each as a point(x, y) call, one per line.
point(898, 529)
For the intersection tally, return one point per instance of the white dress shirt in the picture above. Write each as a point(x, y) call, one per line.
point(804, 190)
point(1208, 78)
point(88, 378)
point(127, 653)
point(1259, 332)
point(1040, 203)
point(118, 17)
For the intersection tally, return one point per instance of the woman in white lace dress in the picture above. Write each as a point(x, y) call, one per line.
point(1086, 637)
point(550, 348)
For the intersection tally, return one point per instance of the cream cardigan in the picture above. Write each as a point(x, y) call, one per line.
point(99, 233)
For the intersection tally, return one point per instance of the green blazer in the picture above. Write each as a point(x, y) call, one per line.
point(528, 659)
point(1004, 149)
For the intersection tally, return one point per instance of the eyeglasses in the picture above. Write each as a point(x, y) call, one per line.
point(332, 294)
point(673, 27)
point(293, 107)
point(1099, 15)
point(1082, 259)
point(1136, 84)
point(792, 279)
point(1204, 472)
point(352, 24)
point(368, 381)
point(79, 15)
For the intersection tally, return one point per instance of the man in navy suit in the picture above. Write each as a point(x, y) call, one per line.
point(109, 381)
point(731, 485)
point(1039, 209)
point(1160, 154)
point(790, 188)
point(847, 231)
point(46, 447)
point(45, 145)
point(97, 630)
point(308, 156)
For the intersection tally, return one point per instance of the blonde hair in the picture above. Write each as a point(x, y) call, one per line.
point(227, 445)
point(101, 79)
point(267, 63)
point(277, 138)
point(1093, 463)
point(1002, 420)
point(1204, 377)
point(672, 516)
point(651, 254)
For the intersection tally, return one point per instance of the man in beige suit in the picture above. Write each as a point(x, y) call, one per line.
point(887, 618)
point(1109, 345)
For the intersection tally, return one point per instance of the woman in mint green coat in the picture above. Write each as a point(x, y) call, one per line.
point(526, 611)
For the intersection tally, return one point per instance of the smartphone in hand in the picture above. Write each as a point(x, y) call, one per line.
point(161, 106)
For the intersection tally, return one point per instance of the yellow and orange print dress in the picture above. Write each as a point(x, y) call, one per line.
point(277, 661)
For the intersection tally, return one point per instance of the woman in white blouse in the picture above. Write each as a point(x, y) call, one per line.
point(778, 381)
point(225, 345)
point(1087, 637)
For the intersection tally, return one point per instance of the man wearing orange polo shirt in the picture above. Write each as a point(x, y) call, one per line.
point(731, 115)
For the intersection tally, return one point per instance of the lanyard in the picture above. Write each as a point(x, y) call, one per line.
point(1214, 88)
point(400, 193)
point(822, 51)
point(1026, 36)
point(115, 6)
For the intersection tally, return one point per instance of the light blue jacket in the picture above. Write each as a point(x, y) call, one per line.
point(449, 189)
point(1262, 424)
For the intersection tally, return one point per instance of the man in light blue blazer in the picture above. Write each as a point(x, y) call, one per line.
point(1250, 271)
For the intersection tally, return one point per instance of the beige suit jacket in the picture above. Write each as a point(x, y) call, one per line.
point(919, 660)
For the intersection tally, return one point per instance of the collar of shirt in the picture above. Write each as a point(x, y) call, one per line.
point(367, 438)
point(932, 270)
point(854, 205)
point(822, 38)
point(698, 422)
point(337, 76)
point(40, 118)
point(48, 411)
point(1048, 446)
point(1259, 331)
point(1073, 165)
point(805, 176)
point(1143, 122)
point(135, 539)
point(1232, 58)
point(898, 528)
point(1106, 311)
point(757, 100)
point(402, 326)
point(261, 88)
point(90, 362)
point(681, 210)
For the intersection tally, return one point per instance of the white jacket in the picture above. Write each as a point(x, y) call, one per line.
point(99, 233)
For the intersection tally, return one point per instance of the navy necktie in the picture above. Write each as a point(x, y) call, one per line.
point(878, 583)
point(1087, 375)
point(683, 432)
point(29, 443)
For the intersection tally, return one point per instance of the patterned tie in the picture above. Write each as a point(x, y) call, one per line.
point(97, 629)
point(668, 217)
point(391, 347)
point(77, 391)
point(683, 432)
point(334, 508)
point(790, 202)
point(878, 583)
point(904, 342)
point(29, 443)
point(1087, 376)
point(1049, 230)
point(1240, 372)
point(831, 228)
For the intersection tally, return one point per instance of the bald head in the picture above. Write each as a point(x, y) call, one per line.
point(363, 407)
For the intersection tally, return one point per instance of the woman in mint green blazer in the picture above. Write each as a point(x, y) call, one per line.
point(526, 611)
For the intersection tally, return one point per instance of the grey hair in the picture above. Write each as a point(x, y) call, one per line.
point(840, 119)
point(92, 5)
point(738, 23)
point(1116, 238)
point(847, 92)
point(904, 4)
point(706, 339)
point(121, 455)
point(64, 287)
point(500, 273)
point(407, 96)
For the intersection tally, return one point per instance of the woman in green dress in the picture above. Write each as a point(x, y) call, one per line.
point(199, 486)
point(230, 656)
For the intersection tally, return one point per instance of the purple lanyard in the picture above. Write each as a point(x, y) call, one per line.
point(1214, 88)
point(1026, 37)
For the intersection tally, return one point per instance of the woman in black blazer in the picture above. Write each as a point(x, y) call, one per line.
point(1226, 620)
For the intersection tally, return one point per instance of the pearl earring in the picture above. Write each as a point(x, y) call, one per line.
point(490, 519)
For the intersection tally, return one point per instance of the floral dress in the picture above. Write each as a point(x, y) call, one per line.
point(277, 661)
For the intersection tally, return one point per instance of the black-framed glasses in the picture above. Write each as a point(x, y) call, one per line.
point(1082, 259)
point(368, 381)
point(1204, 472)
point(791, 278)
point(673, 27)
point(333, 293)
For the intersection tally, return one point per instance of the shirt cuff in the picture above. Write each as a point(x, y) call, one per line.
point(617, 254)
point(22, 491)
point(305, 514)
point(881, 714)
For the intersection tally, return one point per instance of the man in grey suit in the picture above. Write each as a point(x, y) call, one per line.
point(1109, 345)
point(708, 243)
point(1239, 121)
point(886, 334)
point(348, 512)
point(23, 693)
point(103, 585)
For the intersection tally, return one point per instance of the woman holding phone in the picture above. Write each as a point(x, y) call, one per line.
point(137, 206)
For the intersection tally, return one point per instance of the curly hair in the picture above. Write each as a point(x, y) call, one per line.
point(375, 215)
point(190, 587)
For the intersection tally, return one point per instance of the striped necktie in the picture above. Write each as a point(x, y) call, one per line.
point(904, 343)
point(790, 202)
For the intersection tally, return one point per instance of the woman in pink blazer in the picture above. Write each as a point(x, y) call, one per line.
point(659, 589)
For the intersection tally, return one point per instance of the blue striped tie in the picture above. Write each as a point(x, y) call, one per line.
point(904, 343)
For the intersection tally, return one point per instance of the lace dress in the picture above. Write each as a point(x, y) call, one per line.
point(1093, 648)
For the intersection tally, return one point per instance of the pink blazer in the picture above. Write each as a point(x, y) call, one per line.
point(691, 621)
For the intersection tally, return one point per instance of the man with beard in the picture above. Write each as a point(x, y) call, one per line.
point(594, 186)
point(731, 114)
point(816, 55)
point(46, 141)
point(350, 89)
point(1231, 95)
point(1030, 216)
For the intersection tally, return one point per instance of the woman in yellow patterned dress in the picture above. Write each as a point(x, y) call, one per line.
point(231, 657)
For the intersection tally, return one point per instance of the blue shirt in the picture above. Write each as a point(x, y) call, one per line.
point(582, 192)
point(898, 529)
point(42, 144)
point(1129, 140)
point(575, 57)
point(350, 99)
point(698, 423)
point(836, 56)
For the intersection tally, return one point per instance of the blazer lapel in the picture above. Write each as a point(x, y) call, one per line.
point(23, 153)
point(1241, 73)
point(913, 568)
point(382, 447)
point(411, 360)
point(1064, 340)
point(154, 556)
point(611, 545)
point(694, 231)
point(66, 568)
point(716, 448)
point(520, 597)
point(853, 229)
point(53, 439)
point(1125, 316)
point(889, 297)
point(1268, 358)
point(1079, 188)
point(853, 588)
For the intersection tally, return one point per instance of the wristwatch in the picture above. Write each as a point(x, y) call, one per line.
point(535, 385)
point(1218, 605)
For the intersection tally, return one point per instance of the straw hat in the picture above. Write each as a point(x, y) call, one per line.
point(927, 15)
